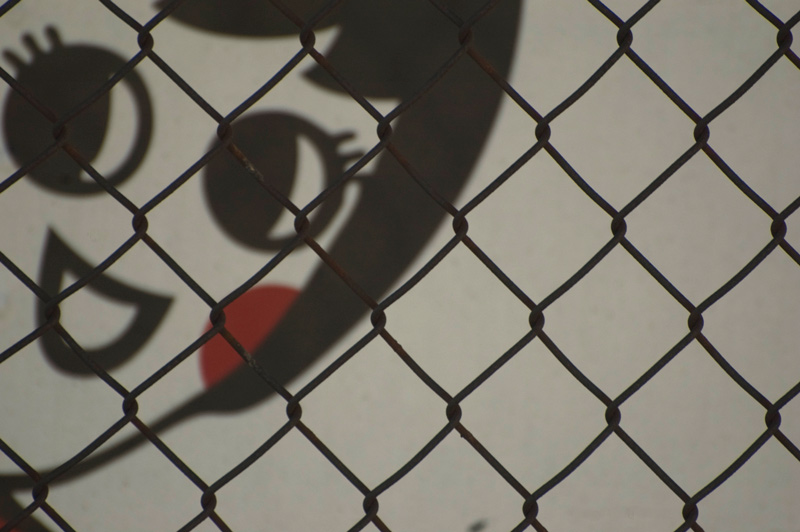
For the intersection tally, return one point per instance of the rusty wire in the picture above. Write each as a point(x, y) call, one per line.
point(465, 48)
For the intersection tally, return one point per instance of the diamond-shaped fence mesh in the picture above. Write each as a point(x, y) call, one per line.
point(552, 288)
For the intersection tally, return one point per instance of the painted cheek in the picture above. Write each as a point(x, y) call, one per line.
point(250, 318)
point(3, 523)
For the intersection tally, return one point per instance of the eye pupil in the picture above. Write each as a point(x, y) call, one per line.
point(243, 207)
point(280, 156)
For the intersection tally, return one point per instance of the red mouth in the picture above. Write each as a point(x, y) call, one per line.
point(250, 318)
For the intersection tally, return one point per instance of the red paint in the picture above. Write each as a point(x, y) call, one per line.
point(3, 523)
point(250, 318)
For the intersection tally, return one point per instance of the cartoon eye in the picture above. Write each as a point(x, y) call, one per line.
point(243, 207)
point(61, 78)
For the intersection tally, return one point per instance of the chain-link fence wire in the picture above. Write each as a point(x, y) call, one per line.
point(467, 46)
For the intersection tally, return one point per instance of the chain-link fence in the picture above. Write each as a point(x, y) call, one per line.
point(433, 80)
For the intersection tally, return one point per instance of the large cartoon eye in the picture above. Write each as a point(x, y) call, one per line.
point(271, 141)
point(61, 79)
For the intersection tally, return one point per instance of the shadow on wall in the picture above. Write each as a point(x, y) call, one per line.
point(384, 50)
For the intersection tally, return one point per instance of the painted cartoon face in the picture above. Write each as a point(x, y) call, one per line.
point(294, 219)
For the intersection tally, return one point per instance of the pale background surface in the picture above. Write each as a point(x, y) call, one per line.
point(698, 229)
